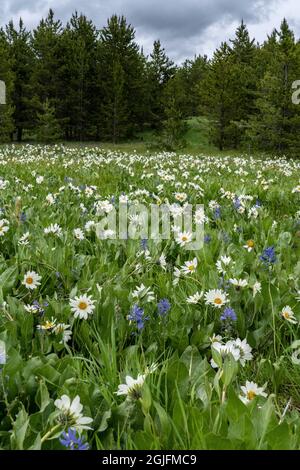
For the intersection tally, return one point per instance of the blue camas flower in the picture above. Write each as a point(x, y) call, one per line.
point(228, 315)
point(268, 256)
point(137, 315)
point(163, 307)
point(71, 441)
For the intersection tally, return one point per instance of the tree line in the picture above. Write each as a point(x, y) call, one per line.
point(76, 82)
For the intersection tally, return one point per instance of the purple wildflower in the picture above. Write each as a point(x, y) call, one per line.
point(70, 440)
point(163, 307)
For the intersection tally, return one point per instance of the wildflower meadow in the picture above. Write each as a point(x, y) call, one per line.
point(119, 342)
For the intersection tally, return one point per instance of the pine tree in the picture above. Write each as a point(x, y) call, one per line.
point(46, 40)
point(160, 70)
point(22, 58)
point(6, 110)
point(216, 93)
point(120, 110)
point(243, 84)
point(276, 124)
point(48, 129)
point(78, 90)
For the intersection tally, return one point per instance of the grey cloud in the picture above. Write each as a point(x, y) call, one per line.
point(180, 24)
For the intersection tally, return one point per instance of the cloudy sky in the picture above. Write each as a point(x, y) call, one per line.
point(185, 27)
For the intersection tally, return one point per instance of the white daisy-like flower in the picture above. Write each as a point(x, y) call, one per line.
point(195, 298)
point(78, 234)
point(288, 314)
point(54, 229)
point(250, 391)
point(64, 330)
point(50, 199)
point(189, 266)
point(216, 297)
point(82, 306)
point(244, 349)
point(256, 288)
point(71, 413)
point(132, 387)
point(182, 238)
point(238, 282)
point(143, 293)
point(4, 227)
point(180, 197)
point(31, 280)
point(47, 325)
point(222, 263)
point(249, 246)
point(23, 240)
point(200, 217)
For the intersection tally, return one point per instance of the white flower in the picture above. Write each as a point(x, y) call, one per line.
point(176, 274)
point(244, 350)
point(249, 245)
point(90, 224)
point(31, 308)
point(296, 189)
point(216, 297)
point(253, 212)
point(189, 266)
point(162, 261)
point(250, 391)
point(78, 234)
point(132, 387)
point(71, 413)
point(63, 329)
point(238, 282)
point(223, 262)
point(256, 288)
point(50, 199)
point(54, 229)
point(31, 280)
point(200, 217)
point(288, 314)
point(240, 350)
point(24, 239)
point(82, 306)
point(195, 298)
point(143, 293)
point(182, 238)
point(47, 325)
point(39, 179)
point(180, 197)
point(4, 227)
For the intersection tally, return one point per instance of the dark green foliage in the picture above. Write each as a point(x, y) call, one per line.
point(48, 129)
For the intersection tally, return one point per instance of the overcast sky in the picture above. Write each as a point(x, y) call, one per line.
point(185, 27)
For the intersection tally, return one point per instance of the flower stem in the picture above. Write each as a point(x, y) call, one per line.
point(51, 431)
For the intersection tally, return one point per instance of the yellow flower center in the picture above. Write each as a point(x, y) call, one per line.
point(192, 267)
point(82, 305)
point(29, 280)
point(218, 301)
point(250, 243)
point(286, 315)
point(184, 238)
point(251, 394)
